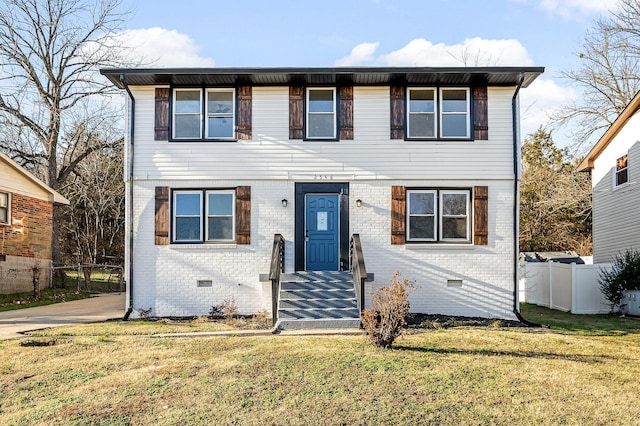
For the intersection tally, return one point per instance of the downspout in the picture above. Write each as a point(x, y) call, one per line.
point(516, 201)
point(131, 143)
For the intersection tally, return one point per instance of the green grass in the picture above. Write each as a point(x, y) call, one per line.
point(611, 324)
point(9, 302)
point(582, 371)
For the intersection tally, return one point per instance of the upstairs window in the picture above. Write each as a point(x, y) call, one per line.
point(443, 113)
point(203, 215)
point(622, 171)
point(454, 117)
point(5, 213)
point(218, 109)
point(321, 113)
point(187, 110)
point(422, 113)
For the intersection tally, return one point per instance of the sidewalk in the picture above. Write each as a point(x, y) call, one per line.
point(102, 307)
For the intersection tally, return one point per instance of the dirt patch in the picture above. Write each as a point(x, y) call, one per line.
point(428, 321)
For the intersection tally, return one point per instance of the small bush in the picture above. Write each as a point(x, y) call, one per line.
point(230, 309)
point(624, 275)
point(144, 314)
point(389, 310)
point(215, 311)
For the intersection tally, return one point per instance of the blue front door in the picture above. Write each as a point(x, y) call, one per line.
point(322, 223)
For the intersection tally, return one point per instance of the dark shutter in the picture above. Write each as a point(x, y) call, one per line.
point(244, 112)
point(397, 111)
point(481, 215)
point(161, 132)
point(398, 214)
point(345, 97)
point(162, 216)
point(480, 113)
point(243, 215)
point(296, 112)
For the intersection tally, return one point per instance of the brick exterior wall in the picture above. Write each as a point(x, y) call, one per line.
point(30, 234)
point(165, 277)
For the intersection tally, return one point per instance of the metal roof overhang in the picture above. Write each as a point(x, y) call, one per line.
point(360, 76)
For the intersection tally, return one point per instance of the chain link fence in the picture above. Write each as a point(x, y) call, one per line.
point(88, 277)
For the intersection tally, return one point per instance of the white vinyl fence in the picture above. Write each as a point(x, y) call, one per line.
point(571, 288)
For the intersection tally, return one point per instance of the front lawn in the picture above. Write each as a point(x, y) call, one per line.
point(9, 302)
point(577, 374)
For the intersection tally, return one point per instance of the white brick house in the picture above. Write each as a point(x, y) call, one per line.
point(422, 163)
point(615, 173)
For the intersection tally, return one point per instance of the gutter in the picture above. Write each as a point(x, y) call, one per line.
point(131, 144)
point(516, 197)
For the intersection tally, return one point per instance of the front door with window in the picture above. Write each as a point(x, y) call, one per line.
point(322, 232)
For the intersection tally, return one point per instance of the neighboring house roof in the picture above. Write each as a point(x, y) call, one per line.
point(371, 76)
point(55, 196)
point(628, 112)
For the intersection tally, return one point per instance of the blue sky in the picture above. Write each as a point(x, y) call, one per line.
point(327, 33)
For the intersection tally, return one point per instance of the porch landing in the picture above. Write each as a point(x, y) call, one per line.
point(317, 300)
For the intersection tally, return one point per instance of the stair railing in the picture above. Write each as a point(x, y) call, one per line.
point(277, 267)
point(358, 268)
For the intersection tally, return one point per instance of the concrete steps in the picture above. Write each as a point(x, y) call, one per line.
point(314, 300)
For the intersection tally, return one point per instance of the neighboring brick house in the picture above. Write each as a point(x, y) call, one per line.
point(26, 211)
point(420, 163)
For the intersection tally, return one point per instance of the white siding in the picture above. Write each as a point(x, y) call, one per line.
point(616, 227)
point(271, 155)
point(13, 181)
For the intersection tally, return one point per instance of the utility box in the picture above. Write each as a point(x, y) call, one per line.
point(631, 302)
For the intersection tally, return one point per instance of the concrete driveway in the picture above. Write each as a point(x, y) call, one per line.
point(102, 307)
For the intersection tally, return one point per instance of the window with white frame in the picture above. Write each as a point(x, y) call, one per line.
point(622, 170)
point(217, 108)
point(203, 215)
point(438, 113)
point(187, 110)
point(5, 208)
point(438, 215)
point(321, 113)
point(220, 114)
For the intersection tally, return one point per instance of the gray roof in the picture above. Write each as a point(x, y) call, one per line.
point(369, 76)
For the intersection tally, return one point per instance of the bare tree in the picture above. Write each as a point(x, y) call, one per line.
point(93, 223)
point(50, 51)
point(607, 74)
point(555, 201)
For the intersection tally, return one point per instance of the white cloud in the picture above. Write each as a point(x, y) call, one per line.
point(471, 52)
point(539, 101)
point(159, 47)
point(576, 8)
point(361, 54)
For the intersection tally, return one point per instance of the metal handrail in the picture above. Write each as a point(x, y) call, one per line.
point(358, 268)
point(277, 267)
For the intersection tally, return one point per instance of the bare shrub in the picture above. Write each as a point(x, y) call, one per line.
point(387, 316)
point(229, 309)
point(215, 311)
point(144, 313)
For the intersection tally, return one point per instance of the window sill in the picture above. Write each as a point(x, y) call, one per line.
point(621, 186)
point(407, 139)
point(203, 140)
point(438, 246)
point(203, 246)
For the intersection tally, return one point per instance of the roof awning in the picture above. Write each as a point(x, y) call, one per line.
point(359, 76)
